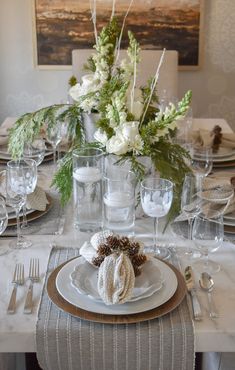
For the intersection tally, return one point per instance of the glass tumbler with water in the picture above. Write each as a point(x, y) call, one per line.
point(119, 200)
point(87, 188)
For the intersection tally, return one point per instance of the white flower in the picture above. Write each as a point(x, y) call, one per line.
point(137, 107)
point(117, 145)
point(90, 83)
point(129, 130)
point(101, 136)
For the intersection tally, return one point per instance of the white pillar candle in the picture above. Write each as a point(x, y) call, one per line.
point(87, 174)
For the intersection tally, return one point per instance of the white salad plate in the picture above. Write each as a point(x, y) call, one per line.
point(84, 278)
point(83, 301)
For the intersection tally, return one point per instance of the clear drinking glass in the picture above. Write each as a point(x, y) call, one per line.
point(208, 236)
point(21, 181)
point(87, 188)
point(54, 137)
point(201, 161)
point(119, 200)
point(156, 199)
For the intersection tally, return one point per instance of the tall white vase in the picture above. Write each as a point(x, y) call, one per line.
point(90, 120)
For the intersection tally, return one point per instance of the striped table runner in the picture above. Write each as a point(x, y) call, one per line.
point(65, 342)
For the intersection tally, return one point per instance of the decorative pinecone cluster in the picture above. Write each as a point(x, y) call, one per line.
point(117, 244)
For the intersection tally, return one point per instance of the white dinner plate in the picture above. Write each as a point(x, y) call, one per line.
point(84, 278)
point(71, 295)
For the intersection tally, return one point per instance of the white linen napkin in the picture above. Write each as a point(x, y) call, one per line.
point(217, 198)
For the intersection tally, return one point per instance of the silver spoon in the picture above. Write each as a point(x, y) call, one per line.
point(207, 283)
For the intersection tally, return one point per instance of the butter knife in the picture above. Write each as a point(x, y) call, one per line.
point(191, 287)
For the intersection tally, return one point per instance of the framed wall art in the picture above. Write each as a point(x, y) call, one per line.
point(61, 26)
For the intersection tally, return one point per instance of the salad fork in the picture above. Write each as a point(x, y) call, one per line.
point(34, 277)
point(18, 279)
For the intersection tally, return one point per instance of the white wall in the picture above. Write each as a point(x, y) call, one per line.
point(24, 88)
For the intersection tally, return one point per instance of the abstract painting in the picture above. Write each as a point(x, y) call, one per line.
point(64, 25)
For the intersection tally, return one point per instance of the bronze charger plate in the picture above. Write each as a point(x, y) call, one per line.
point(65, 306)
point(33, 215)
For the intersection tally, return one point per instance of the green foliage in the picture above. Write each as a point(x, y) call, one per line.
point(63, 179)
point(72, 81)
point(28, 127)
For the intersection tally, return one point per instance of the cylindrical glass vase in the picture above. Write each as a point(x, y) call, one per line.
point(87, 188)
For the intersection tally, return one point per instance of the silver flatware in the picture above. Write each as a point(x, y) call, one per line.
point(18, 279)
point(207, 284)
point(34, 277)
point(191, 287)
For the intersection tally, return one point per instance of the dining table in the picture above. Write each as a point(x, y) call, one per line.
point(18, 331)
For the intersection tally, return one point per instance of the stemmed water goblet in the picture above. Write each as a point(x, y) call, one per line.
point(201, 161)
point(36, 151)
point(208, 236)
point(191, 202)
point(156, 199)
point(21, 179)
point(54, 137)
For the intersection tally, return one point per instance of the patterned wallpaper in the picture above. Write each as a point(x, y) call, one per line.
point(24, 88)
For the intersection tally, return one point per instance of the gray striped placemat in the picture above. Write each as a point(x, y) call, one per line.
point(65, 342)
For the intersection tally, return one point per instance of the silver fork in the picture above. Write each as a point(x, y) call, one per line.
point(34, 278)
point(18, 279)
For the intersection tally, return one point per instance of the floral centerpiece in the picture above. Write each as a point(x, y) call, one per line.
point(130, 124)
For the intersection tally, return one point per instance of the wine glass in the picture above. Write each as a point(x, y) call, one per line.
point(54, 137)
point(156, 199)
point(201, 160)
point(35, 150)
point(3, 223)
point(208, 236)
point(21, 181)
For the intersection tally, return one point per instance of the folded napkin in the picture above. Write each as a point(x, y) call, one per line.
point(214, 138)
point(216, 198)
point(116, 279)
point(37, 200)
point(3, 142)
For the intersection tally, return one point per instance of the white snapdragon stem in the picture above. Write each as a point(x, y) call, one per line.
point(153, 85)
point(93, 17)
point(121, 33)
point(113, 9)
point(134, 82)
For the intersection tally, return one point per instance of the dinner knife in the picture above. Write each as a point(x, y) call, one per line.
point(191, 287)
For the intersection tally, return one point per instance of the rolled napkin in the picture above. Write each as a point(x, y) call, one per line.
point(213, 139)
point(116, 279)
point(216, 198)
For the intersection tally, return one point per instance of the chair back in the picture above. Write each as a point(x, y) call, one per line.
point(168, 80)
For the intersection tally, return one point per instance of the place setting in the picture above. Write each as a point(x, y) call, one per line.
point(112, 293)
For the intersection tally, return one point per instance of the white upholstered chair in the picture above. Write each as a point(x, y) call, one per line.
point(168, 80)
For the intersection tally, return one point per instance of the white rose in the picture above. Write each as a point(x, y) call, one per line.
point(117, 145)
point(90, 83)
point(101, 136)
point(129, 130)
